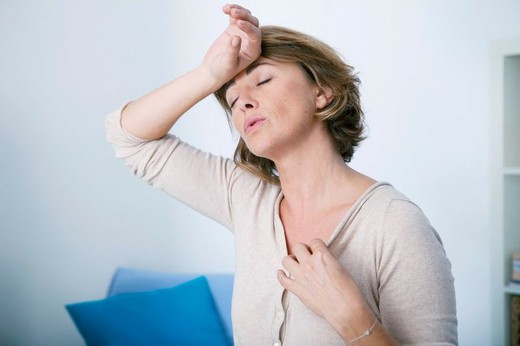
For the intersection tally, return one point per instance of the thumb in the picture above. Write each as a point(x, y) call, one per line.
point(234, 50)
point(235, 42)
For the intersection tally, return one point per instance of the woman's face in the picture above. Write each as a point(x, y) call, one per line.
point(273, 106)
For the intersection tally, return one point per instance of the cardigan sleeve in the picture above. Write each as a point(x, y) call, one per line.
point(417, 294)
point(198, 179)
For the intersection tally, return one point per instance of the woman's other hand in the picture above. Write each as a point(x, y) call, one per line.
point(237, 47)
point(324, 286)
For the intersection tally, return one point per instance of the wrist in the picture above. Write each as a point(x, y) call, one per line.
point(361, 332)
point(208, 79)
point(368, 332)
point(352, 326)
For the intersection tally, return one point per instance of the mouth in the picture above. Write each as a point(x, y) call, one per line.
point(253, 123)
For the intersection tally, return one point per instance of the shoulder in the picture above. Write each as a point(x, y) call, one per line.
point(407, 229)
point(384, 193)
point(401, 218)
point(385, 198)
point(382, 198)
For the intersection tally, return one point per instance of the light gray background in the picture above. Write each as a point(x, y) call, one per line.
point(70, 213)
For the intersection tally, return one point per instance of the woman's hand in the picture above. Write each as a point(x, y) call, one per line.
point(324, 286)
point(152, 115)
point(237, 47)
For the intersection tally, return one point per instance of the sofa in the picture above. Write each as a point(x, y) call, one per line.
point(144, 307)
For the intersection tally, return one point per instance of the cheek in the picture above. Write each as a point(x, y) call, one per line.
point(236, 124)
point(296, 104)
point(298, 94)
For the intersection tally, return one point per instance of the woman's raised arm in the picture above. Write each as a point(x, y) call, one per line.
point(152, 116)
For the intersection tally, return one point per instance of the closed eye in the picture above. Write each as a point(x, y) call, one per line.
point(264, 81)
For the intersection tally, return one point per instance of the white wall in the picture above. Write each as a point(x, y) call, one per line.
point(70, 213)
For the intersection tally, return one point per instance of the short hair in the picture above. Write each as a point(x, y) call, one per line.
point(326, 69)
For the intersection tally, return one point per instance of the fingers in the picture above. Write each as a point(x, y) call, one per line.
point(317, 245)
point(245, 25)
point(237, 12)
point(250, 29)
point(305, 255)
point(301, 251)
point(285, 281)
point(228, 7)
point(300, 254)
point(290, 263)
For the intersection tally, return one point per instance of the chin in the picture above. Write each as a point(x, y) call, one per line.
point(262, 147)
point(259, 151)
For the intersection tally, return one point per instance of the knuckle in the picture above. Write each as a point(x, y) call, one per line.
point(298, 246)
point(316, 242)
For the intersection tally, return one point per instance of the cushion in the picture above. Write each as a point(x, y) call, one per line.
point(127, 280)
point(180, 315)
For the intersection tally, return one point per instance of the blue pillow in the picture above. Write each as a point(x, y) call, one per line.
point(182, 315)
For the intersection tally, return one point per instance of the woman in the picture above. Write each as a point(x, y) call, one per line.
point(324, 254)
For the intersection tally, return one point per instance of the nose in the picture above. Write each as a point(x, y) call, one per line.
point(247, 102)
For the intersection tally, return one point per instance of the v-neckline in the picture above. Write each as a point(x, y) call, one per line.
point(280, 229)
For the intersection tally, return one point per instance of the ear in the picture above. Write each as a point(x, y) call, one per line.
point(323, 97)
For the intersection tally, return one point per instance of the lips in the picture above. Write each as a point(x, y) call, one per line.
point(253, 123)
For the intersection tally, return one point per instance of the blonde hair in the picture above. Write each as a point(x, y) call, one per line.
point(324, 67)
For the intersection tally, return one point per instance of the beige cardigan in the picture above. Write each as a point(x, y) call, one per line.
point(385, 241)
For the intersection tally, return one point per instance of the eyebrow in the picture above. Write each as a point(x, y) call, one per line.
point(249, 70)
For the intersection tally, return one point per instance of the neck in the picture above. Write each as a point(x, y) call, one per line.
point(313, 176)
point(316, 180)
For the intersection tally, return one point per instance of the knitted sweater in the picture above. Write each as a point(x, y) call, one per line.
point(384, 240)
